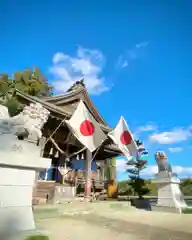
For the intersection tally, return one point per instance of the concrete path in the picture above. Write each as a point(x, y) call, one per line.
point(112, 221)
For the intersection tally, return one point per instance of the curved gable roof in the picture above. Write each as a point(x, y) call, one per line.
point(66, 104)
point(66, 108)
point(72, 98)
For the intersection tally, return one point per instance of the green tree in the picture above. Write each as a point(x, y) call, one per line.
point(152, 186)
point(6, 84)
point(186, 186)
point(27, 81)
point(6, 95)
point(135, 166)
point(32, 83)
point(13, 105)
point(124, 188)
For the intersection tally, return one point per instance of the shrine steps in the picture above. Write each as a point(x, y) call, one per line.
point(52, 192)
point(44, 192)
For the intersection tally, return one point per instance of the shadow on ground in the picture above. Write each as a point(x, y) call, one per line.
point(108, 218)
point(140, 230)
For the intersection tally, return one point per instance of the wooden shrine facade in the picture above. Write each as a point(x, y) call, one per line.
point(61, 142)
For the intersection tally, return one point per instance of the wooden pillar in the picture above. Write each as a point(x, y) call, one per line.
point(102, 173)
point(88, 173)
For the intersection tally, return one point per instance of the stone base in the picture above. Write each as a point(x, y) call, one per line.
point(64, 193)
point(16, 186)
point(166, 209)
point(17, 180)
point(169, 193)
point(16, 219)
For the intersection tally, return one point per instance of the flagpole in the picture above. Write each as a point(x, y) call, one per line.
point(88, 172)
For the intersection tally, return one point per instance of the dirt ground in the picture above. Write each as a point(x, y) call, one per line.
point(110, 221)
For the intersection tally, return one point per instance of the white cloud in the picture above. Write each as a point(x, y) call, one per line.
point(146, 128)
point(177, 135)
point(181, 171)
point(141, 44)
point(58, 57)
point(87, 64)
point(187, 171)
point(121, 165)
point(131, 54)
point(175, 149)
point(150, 171)
point(125, 64)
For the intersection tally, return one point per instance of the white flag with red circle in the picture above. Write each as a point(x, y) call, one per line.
point(122, 136)
point(85, 128)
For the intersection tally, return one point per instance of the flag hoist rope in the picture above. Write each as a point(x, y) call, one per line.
point(53, 133)
point(56, 145)
point(61, 151)
point(55, 130)
point(97, 150)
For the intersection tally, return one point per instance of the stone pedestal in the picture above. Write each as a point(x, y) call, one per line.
point(19, 162)
point(64, 193)
point(169, 193)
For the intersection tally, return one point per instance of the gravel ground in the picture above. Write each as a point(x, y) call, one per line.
point(112, 221)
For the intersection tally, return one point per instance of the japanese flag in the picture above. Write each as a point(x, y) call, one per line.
point(122, 136)
point(85, 128)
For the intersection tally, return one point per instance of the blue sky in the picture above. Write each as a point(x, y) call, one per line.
point(135, 57)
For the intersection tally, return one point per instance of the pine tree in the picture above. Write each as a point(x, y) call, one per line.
point(135, 166)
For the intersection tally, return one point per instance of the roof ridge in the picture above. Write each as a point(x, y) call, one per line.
point(66, 94)
point(53, 107)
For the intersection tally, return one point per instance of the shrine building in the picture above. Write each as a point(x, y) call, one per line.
point(64, 149)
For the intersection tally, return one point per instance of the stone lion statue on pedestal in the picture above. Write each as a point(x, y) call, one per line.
point(162, 162)
point(26, 124)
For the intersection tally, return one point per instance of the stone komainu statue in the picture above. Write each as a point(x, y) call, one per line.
point(162, 162)
point(27, 124)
